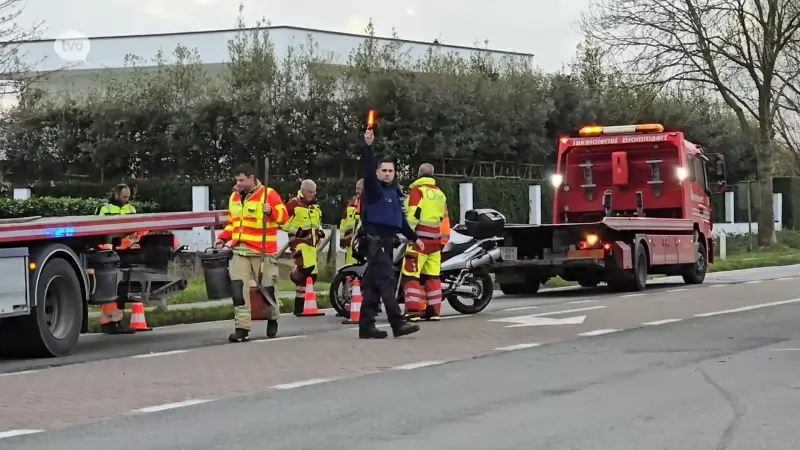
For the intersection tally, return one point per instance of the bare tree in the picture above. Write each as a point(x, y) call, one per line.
point(15, 73)
point(744, 50)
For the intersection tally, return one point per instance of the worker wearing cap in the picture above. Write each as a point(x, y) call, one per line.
point(350, 218)
point(304, 228)
point(119, 203)
point(426, 212)
point(250, 205)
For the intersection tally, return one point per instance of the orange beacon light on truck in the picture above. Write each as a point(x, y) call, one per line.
point(621, 129)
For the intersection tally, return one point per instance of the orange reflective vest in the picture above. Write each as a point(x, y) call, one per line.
point(246, 219)
point(350, 218)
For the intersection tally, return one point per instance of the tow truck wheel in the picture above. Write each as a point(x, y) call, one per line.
point(53, 327)
point(639, 282)
point(696, 273)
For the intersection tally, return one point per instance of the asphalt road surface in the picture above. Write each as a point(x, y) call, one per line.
point(181, 337)
point(706, 367)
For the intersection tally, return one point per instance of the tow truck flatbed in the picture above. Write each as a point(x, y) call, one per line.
point(47, 228)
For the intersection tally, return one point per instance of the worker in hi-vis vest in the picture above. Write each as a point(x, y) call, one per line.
point(349, 223)
point(119, 203)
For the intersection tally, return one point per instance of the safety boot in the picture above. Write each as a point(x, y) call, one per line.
point(412, 316)
point(405, 329)
point(431, 315)
point(272, 328)
point(116, 328)
point(239, 335)
point(372, 333)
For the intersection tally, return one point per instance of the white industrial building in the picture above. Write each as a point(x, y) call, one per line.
point(109, 52)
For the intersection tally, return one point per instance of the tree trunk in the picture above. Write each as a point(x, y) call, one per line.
point(764, 157)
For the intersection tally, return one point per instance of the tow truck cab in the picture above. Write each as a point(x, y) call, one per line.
point(633, 171)
point(628, 201)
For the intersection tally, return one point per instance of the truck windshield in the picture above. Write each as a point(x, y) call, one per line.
point(589, 172)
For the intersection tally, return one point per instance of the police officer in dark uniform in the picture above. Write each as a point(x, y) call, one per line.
point(382, 218)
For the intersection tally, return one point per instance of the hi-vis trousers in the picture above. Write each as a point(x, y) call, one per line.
point(305, 261)
point(244, 270)
point(422, 268)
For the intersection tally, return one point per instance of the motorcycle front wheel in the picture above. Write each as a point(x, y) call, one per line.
point(485, 288)
point(340, 292)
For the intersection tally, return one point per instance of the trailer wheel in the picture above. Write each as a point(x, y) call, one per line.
point(53, 327)
point(639, 282)
point(696, 273)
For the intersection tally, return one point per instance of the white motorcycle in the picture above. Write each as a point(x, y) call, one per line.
point(466, 260)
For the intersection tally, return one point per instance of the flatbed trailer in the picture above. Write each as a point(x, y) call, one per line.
point(53, 268)
point(620, 251)
point(628, 201)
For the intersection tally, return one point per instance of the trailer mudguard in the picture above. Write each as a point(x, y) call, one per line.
point(623, 255)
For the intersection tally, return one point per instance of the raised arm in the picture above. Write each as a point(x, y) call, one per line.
point(372, 186)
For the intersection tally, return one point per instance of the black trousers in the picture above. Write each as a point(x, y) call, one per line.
point(379, 283)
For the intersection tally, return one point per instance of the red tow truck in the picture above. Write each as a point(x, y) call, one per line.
point(628, 201)
point(52, 269)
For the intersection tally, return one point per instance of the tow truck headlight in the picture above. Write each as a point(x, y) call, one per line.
point(556, 179)
point(682, 173)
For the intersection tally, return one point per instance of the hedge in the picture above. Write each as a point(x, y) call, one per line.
point(509, 196)
point(63, 206)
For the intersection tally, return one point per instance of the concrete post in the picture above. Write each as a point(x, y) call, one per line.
point(729, 207)
point(723, 246)
point(777, 210)
point(535, 201)
point(465, 191)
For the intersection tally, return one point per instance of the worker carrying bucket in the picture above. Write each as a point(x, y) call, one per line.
point(255, 212)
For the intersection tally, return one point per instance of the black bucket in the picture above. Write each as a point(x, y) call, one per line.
point(215, 271)
point(107, 276)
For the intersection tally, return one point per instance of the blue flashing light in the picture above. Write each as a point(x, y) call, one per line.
point(60, 232)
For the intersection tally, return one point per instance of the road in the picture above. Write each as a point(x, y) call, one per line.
point(706, 367)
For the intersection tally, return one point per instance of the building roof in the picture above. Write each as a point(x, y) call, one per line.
point(275, 28)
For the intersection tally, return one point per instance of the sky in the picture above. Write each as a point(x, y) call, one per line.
point(546, 28)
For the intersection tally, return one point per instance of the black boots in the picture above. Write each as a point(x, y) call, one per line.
point(239, 335)
point(116, 328)
point(272, 328)
point(403, 329)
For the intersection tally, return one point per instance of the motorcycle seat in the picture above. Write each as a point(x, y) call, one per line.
point(453, 249)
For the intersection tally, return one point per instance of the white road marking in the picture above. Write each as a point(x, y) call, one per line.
point(168, 406)
point(717, 285)
point(661, 322)
point(12, 433)
point(418, 365)
point(284, 338)
point(754, 282)
point(24, 372)
point(516, 347)
point(676, 290)
point(576, 302)
point(748, 308)
point(784, 349)
point(631, 295)
point(535, 321)
point(784, 278)
point(298, 384)
point(598, 332)
point(520, 308)
point(153, 355)
point(567, 311)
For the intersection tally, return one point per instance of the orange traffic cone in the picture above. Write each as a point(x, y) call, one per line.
point(355, 304)
point(310, 305)
point(138, 322)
